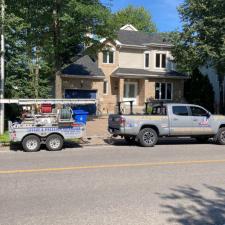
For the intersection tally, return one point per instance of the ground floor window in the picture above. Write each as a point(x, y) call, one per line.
point(163, 91)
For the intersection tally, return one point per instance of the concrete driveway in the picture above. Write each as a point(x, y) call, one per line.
point(111, 185)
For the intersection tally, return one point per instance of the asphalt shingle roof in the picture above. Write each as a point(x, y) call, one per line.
point(130, 71)
point(84, 66)
point(140, 38)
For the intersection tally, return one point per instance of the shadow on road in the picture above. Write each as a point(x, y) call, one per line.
point(18, 146)
point(162, 141)
point(189, 206)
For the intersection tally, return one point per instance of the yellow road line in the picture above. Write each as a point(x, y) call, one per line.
point(149, 164)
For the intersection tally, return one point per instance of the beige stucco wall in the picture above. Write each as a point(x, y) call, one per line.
point(131, 58)
point(135, 58)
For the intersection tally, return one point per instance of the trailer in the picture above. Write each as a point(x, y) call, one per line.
point(50, 129)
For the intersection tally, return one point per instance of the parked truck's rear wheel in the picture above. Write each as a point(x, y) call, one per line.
point(31, 143)
point(54, 142)
point(220, 136)
point(148, 137)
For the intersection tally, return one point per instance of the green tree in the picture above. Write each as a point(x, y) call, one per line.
point(195, 90)
point(43, 35)
point(139, 17)
point(202, 40)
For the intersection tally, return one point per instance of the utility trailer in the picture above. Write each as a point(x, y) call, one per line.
point(51, 129)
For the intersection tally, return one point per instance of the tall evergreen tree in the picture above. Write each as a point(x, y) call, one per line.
point(202, 40)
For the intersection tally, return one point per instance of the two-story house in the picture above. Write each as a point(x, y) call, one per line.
point(136, 66)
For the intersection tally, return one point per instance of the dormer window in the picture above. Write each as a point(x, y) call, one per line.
point(108, 56)
point(160, 61)
point(146, 60)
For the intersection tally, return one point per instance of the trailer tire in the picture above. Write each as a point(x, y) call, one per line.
point(54, 142)
point(31, 143)
point(147, 137)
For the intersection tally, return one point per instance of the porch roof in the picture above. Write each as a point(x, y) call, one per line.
point(142, 73)
point(84, 67)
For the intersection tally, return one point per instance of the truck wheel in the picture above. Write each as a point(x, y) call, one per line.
point(54, 142)
point(148, 137)
point(220, 136)
point(31, 143)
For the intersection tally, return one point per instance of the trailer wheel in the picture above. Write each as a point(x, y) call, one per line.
point(148, 137)
point(31, 143)
point(54, 142)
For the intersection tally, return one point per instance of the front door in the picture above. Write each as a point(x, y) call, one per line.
point(201, 121)
point(130, 91)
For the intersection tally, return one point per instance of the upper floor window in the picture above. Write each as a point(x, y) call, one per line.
point(163, 91)
point(160, 61)
point(146, 60)
point(108, 56)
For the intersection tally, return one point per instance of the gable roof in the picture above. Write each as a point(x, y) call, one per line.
point(127, 37)
point(84, 66)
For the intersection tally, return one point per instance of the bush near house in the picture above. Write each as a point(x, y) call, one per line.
point(198, 90)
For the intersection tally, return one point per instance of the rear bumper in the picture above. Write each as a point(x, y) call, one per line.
point(112, 130)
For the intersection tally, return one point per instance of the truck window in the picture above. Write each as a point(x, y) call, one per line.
point(197, 111)
point(180, 110)
point(159, 110)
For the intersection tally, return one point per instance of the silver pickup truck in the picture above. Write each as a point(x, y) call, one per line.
point(169, 120)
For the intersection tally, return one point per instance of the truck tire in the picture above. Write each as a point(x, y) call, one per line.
point(148, 137)
point(220, 136)
point(31, 143)
point(54, 142)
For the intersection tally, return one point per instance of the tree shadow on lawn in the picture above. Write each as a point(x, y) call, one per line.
point(188, 206)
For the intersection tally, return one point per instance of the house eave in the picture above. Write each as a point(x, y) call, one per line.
point(74, 76)
point(122, 75)
point(158, 45)
point(133, 46)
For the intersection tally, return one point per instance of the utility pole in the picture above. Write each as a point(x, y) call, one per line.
point(2, 83)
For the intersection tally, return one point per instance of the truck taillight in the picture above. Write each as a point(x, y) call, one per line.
point(122, 121)
point(14, 135)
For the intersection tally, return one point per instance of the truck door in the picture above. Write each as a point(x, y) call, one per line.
point(180, 121)
point(201, 121)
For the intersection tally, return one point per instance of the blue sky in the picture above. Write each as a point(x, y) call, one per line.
point(164, 12)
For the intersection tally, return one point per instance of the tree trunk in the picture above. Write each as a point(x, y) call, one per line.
point(56, 43)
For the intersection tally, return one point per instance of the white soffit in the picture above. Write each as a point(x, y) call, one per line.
point(129, 27)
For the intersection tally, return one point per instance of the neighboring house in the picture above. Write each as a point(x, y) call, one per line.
point(137, 66)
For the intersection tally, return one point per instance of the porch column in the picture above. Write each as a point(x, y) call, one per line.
point(142, 92)
point(121, 89)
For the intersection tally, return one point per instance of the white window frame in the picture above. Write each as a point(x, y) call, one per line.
point(147, 52)
point(108, 50)
point(160, 91)
point(161, 53)
point(107, 87)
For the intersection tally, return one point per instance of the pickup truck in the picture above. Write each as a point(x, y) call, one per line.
point(168, 120)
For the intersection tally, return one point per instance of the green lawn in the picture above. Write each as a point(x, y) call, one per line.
point(4, 138)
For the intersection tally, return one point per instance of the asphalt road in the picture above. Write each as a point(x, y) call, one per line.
point(127, 185)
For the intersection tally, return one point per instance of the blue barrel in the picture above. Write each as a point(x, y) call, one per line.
point(80, 116)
